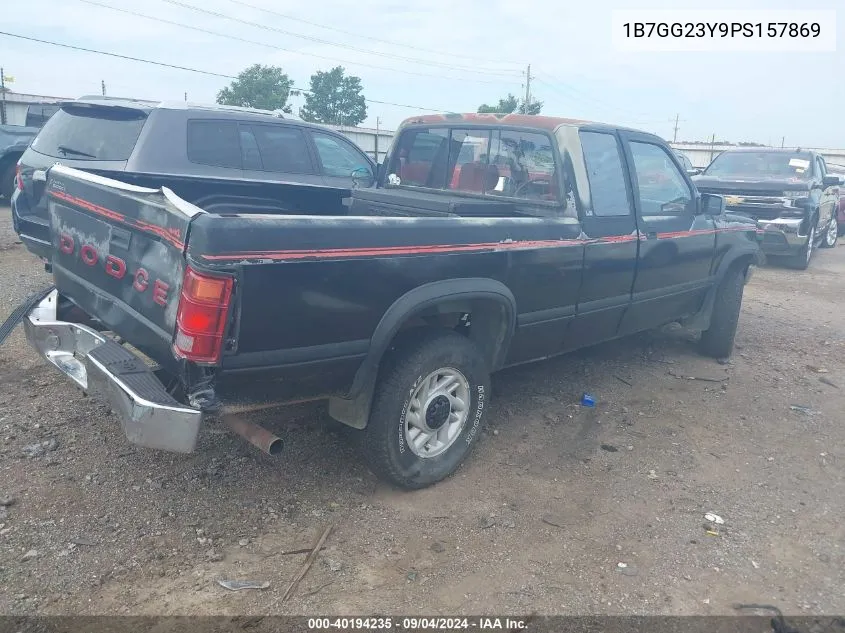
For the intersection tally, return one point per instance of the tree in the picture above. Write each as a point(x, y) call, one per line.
point(511, 104)
point(262, 87)
point(334, 98)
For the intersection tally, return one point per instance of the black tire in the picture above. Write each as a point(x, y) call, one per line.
point(801, 260)
point(718, 340)
point(831, 233)
point(7, 181)
point(385, 447)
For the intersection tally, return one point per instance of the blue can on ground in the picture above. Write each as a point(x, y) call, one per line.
point(587, 400)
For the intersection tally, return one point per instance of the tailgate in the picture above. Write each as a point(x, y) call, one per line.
point(118, 253)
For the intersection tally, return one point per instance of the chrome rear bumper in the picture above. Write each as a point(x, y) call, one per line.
point(150, 416)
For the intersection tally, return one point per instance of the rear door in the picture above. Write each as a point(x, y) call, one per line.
point(676, 246)
point(610, 228)
point(278, 153)
point(91, 137)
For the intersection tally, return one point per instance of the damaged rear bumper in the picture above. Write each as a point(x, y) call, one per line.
point(150, 416)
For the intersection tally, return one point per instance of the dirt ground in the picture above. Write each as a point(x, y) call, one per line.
point(553, 499)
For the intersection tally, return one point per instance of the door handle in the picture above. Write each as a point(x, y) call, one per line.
point(652, 235)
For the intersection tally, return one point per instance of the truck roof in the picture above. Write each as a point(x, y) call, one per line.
point(527, 121)
point(516, 120)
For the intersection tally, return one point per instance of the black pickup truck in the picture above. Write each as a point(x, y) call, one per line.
point(490, 241)
point(787, 192)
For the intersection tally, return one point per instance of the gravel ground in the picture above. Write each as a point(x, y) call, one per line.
point(540, 518)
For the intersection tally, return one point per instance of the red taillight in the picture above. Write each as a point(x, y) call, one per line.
point(18, 177)
point(201, 318)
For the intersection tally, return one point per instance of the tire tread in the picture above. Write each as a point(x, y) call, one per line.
point(400, 369)
point(718, 340)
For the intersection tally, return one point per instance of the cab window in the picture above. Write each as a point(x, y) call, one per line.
point(662, 189)
point(490, 162)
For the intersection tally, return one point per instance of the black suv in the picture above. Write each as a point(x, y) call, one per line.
point(788, 192)
point(251, 155)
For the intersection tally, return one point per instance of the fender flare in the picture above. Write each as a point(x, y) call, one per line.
point(701, 319)
point(354, 409)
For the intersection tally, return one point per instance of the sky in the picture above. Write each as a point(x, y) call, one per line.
point(442, 55)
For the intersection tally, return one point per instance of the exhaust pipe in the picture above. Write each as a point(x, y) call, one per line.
point(256, 435)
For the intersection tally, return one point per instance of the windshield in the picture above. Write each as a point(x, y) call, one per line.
point(90, 133)
point(762, 165)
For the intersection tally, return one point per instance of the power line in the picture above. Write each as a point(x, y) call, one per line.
point(271, 46)
point(134, 59)
point(318, 40)
point(371, 38)
point(585, 99)
point(187, 68)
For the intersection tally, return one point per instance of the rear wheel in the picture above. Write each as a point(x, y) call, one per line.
point(718, 340)
point(428, 409)
point(831, 234)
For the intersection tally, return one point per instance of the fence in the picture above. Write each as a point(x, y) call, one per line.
point(376, 142)
point(702, 154)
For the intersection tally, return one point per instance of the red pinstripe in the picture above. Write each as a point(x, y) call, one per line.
point(171, 235)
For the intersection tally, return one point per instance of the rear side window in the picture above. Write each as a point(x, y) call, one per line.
point(214, 143)
point(90, 133)
point(283, 149)
point(416, 156)
point(606, 174)
point(508, 163)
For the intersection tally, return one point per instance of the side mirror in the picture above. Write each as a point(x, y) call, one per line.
point(362, 177)
point(694, 171)
point(711, 204)
point(831, 181)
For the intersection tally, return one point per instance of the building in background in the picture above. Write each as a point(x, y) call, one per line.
point(38, 107)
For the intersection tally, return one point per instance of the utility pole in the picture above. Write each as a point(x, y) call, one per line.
point(675, 135)
point(712, 144)
point(3, 102)
point(378, 121)
point(782, 141)
point(186, 97)
point(103, 86)
point(527, 88)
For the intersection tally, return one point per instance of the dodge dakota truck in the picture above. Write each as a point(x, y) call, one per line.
point(787, 192)
point(490, 241)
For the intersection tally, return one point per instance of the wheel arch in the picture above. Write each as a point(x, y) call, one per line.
point(738, 258)
point(493, 310)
